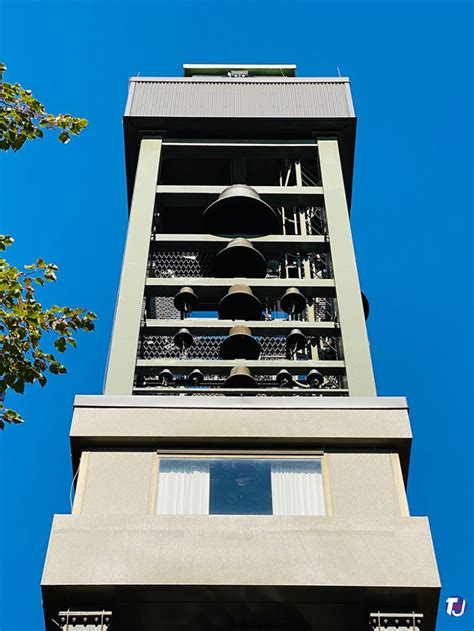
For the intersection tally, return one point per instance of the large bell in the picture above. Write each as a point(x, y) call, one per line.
point(284, 379)
point(185, 300)
point(239, 303)
point(183, 339)
point(239, 209)
point(293, 302)
point(365, 304)
point(196, 377)
point(240, 344)
point(240, 259)
point(240, 377)
point(295, 341)
point(314, 378)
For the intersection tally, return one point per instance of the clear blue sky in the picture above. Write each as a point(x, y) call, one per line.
point(411, 66)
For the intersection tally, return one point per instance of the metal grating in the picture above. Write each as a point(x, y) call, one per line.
point(208, 347)
point(205, 347)
point(161, 308)
point(179, 264)
point(196, 264)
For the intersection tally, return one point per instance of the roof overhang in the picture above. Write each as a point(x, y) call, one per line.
point(254, 108)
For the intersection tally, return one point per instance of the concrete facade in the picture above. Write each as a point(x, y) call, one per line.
point(363, 484)
point(258, 550)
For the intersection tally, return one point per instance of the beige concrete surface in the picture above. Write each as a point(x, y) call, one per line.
point(363, 485)
point(240, 423)
point(117, 483)
point(240, 550)
point(120, 483)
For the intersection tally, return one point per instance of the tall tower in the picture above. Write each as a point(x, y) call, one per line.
point(239, 471)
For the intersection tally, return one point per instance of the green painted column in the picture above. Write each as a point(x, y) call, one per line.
point(355, 342)
point(124, 343)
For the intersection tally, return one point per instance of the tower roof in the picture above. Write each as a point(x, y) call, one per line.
point(263, 104)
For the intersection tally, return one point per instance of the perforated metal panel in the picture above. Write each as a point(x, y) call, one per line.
point(197, 264)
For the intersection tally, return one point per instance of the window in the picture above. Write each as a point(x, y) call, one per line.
point(240, 486)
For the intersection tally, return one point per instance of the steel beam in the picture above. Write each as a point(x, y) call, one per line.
point(258, 366)
point(281, 392)
point(123, 347)
point(262, 287)
point(360, 377)
point(189, 148)
point(209, 242)
point(264, 328)
point(197, 195)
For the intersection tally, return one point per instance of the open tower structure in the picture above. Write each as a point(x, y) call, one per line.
point(239, 471)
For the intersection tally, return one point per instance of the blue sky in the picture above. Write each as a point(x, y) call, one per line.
point(411, 67)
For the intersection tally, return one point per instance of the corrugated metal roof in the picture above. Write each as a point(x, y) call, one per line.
point(240, 98)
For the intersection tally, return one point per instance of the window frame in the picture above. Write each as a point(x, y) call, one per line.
point(234, 454)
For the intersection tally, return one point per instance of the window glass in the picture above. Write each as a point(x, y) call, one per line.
point(240, 486)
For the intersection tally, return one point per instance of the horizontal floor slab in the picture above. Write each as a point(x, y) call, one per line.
point(113, 421)
point(164, 550)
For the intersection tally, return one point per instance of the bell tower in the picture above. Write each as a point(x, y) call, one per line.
point(239, 471)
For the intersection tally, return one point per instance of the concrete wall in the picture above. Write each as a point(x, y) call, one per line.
point(365, 551)
point(364, 440)
point(165, 550)
point(124, 482)
point(238, 423)
point(365, 484)
point(114, 483)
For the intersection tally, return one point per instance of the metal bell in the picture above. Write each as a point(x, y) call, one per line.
point(239, 303)
point(314, 378)
point(293, 301)
point(240, 344)
point(166, 377)
point(183, 339)
point(185, 300)
point(196, 377)
point(240, 377)
point(284, 379)
point(295, 341)
point(365, 304)
point(239, 209)
point(240, 259)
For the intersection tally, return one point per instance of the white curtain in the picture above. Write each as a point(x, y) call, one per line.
point(297, 487)
point(183, 487)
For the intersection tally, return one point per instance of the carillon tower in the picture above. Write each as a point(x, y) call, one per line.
point(239, 471)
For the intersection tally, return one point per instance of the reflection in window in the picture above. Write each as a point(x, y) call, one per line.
point(240, 486)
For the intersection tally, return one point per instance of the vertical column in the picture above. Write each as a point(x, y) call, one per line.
point(123, 347)
point(355, 342)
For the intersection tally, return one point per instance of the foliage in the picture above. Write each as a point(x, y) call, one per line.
point(22, 117)
point(24, 322)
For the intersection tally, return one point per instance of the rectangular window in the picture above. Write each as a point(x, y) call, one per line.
point(240, 486)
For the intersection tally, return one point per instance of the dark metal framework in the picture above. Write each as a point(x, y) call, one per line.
point(183, 254)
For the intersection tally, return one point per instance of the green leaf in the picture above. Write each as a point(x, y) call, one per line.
point(64, 137)
point(60, 344)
